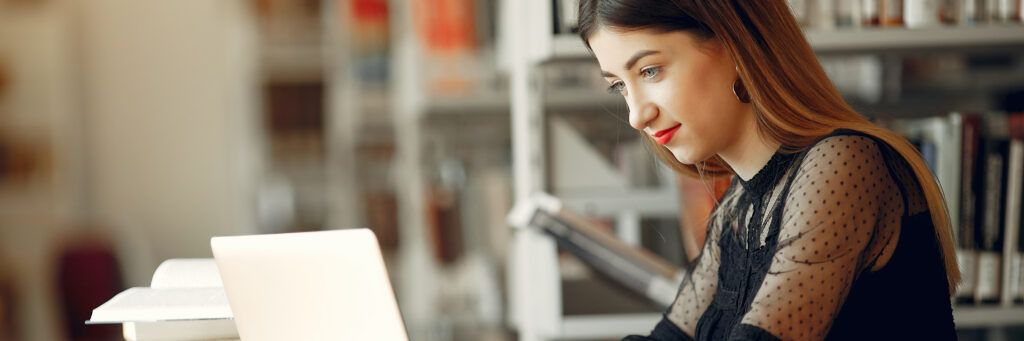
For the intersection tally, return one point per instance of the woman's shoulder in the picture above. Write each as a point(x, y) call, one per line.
point(844, 148)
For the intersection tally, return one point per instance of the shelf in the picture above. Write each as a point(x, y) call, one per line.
point(901, 39)
point(569, 47)
point(981, 317)
point(655, 202)
point(589, 327)
point(488, 103)
point(499, 103)
point(584, 99)
point(301, 62)
point(576, 327)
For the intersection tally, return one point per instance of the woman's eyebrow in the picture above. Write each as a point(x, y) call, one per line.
point(632, 61)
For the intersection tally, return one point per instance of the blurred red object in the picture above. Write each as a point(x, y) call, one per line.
point(88, 274)
point(8, 325)
point(4, 78)
point(698, 198)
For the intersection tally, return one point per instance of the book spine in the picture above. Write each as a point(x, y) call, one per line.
point(1015, 176)
point(566, 16)
point(1015, 221)
point(922, 13)
point(951, 146)
point(967, 255)
point(967, 261)
point(991, 237)
point(1018, 275)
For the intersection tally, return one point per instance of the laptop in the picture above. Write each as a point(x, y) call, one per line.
point(329, 285)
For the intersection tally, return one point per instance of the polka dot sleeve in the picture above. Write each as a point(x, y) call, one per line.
point(830, 218)
point(699, 287)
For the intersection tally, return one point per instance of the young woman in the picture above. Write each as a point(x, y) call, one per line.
point(833, 228)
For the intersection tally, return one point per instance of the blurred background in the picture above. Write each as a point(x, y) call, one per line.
point(133, 131)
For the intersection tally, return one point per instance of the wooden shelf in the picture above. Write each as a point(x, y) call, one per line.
point(569, 47)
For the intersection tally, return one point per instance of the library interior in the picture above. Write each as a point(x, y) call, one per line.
point(508, 194)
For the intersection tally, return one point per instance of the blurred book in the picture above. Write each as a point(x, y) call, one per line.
point(939, 139)
point(634, 268)
point(450, 42)
point(995, 149)
point(566, 16)
point(1013, 289)
point(185, 301)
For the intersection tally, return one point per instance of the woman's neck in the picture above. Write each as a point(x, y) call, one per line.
point(751, 151)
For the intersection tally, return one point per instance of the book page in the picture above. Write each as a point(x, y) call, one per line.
point(187, 273)
point(180, 330)
point(148, 304)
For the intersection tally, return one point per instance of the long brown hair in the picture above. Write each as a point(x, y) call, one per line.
point(794, 101)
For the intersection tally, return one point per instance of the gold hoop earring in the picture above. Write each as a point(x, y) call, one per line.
point(740, 91)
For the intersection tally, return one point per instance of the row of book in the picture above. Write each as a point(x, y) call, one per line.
point(831, 14)
point(978, 160)
point(828, 14)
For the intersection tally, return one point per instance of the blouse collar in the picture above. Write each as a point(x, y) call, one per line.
point(769, 175)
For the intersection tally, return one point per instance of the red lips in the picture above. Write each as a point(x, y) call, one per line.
point(665, 135)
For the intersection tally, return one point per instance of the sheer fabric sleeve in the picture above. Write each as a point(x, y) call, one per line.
point(841, 194)
point(698, 287)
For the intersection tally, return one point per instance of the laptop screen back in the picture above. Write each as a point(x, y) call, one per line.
point(329, 285)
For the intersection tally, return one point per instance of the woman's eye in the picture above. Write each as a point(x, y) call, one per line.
point(650, 72)
point(617, 88)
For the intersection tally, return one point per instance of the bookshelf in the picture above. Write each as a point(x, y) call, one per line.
point(425, 101)
point(416, 263)
point(534, 48)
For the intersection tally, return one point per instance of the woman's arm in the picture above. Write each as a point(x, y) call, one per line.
point(841, 195)
point(696, 291)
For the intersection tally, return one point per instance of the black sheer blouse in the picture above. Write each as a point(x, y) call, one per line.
point(835, 242)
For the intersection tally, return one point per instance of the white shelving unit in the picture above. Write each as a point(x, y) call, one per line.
point(535, 291)
point(420, 275)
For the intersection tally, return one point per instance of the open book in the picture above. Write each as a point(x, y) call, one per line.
point(633, 267)
point(185, 301)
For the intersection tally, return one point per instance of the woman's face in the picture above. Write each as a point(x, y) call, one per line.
point(679, 90)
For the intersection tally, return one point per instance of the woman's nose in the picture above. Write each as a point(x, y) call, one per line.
point(641, 115)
